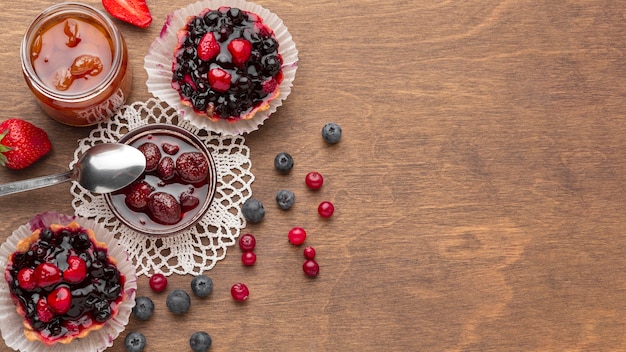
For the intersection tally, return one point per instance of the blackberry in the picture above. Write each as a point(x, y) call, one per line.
point(285, 199)
point(283, 162)
point(144, 308)
point(331, 132)
point(253, 210)
point(200, 341)
point(202, 286)
point(178, 301)
point(135, 342)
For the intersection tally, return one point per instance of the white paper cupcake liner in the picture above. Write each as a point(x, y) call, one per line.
point(11, 323)
point(158, 64)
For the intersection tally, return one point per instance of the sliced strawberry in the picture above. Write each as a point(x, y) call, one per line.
point(76, 271)
point(219, 79)
point(240, 49)
point(208, 47)
point(60, 299)
point(135, 12)
point(22, 143)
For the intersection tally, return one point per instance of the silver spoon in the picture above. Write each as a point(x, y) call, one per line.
point(103, 168)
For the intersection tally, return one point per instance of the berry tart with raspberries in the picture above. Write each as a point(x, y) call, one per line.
point(66, 287)
point(232, 63)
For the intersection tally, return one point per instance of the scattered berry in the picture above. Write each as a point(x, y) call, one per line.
point(208, 47)
point(178, 301)
point(253, 210)
point(135, 12)
point(314, 180)
point(297, 236)
point(158, 282)
point(200, 341)
point(283, 162)
point(22, 143)
point(76, 271)
point(201, 286)
point(192, 167)
point(248, 258)
point(170, 148)
point(60, 299)
point(144, 308)
point(240, 50)
point(135, 342)
point(326, 209)
point(247, 242)
point(331, 132)
point(309, 252)
point(152, 153)
point(285, 199)
point(164, 208)
point(26, 279)
point(219, 79)
point(311, 268)
point(239, 292)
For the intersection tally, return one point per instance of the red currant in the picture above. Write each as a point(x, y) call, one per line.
point(311, 268)
point(296, 236)
point(158, 282)
point(239, 292)
point(247, 242)
point(314, 180)
point(326, 209)
point(248, 258)
point(309, 252)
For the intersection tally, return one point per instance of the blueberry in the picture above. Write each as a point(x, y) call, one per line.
point(200, 341)
point(283, 162)
point(331, 132)
point(285, 199)
point(144, 307)
point(135, 342)
point(253, 210)
point(178, 302)
point(202, 286)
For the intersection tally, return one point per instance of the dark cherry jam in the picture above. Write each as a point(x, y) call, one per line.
point(173, 190)
point(226, 63)
point(63, 283)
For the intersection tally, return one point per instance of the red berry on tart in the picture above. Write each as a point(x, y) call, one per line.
point(64, 283)
point(226, 64)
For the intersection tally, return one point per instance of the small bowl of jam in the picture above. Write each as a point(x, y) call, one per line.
point(177, 187)
point(75, 62)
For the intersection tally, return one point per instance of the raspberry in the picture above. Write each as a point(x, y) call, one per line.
point(192, 167)
point(239, 292)
point(76, 271)
point(248, 258)
point(47, 274)
point(164, 208)
point(152, 153)
point(314, 180)
point(326, 209)
point(158, 282)
point(247, 242)
point(297, 236)
point(44, 312)
point(208, 47)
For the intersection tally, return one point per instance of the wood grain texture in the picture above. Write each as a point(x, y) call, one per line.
point(479, 185)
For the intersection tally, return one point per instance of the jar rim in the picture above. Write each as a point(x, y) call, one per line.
point(84, 10)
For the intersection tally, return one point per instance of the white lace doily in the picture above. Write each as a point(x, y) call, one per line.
point(199, 247)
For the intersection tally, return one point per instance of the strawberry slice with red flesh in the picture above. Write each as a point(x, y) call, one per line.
point(208, 47)
point(135, 12)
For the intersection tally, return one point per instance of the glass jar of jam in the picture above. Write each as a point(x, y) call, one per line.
point(75, 61)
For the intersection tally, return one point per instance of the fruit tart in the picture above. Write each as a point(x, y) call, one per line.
point(64, 283)
point(231, 64)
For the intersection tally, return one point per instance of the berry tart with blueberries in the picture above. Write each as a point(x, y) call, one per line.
point(65, 285)
point(232, 64)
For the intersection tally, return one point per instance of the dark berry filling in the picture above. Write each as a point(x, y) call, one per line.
point(226, 63)
point(64, 284)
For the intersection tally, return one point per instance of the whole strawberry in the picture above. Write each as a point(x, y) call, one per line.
point(22, 143)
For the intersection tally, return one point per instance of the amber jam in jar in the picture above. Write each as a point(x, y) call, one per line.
point(75, 61)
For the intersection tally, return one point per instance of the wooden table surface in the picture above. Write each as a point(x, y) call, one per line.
point(479, 185)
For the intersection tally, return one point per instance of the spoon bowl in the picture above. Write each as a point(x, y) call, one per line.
point(103, 168)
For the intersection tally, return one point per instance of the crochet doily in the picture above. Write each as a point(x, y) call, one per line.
point(199, 247)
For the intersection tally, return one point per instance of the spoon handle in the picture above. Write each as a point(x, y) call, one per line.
point(34, 183)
